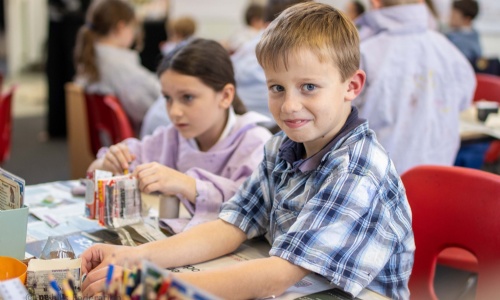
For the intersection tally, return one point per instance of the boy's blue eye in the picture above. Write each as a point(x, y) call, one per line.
point(309, 87)
point(167, 98)
point(277, 88)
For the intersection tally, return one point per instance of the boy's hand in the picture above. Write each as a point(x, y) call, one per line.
point(95, 261)
point(154, 177)
point(96, 280)
point(117, 158)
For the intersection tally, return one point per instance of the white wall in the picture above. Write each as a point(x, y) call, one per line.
point(217, 19)
point(26, 32)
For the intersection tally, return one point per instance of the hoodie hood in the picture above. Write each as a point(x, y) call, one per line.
point(395, 19)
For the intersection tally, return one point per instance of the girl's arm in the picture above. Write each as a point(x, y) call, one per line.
point(213, 189)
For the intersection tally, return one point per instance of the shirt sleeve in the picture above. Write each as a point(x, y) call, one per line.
point(159, 147)
point(343, 233)
point(250, 207)
point(212, 189)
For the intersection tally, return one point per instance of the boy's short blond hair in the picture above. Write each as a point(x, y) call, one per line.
point(317, 27)
point(184, 27)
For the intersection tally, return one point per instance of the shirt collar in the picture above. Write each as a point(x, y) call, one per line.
point(293, 152)
point(231, 120)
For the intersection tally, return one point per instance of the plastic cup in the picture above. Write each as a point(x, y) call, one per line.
point(169, 207)
point(11, 268)
point(57, 247)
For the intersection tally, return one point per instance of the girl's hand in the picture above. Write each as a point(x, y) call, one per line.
point(154, 177)
point(117, 158)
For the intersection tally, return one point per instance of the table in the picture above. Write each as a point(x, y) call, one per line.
point(471, 128)
point(63, 215)
point(259, 248)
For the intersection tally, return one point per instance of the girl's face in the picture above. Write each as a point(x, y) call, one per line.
point(126, 33)
point(195, 109)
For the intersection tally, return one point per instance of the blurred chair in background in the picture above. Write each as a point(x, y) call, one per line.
point(487, 66)
point(475, 154)
point(107, 122)
point(454, 207)
point(488, 88)
point(6, 124)
point(79, 150)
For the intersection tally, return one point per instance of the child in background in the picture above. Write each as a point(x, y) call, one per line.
point(249, 75)
point(180, 31)
point(254, 19)
point(417, 85)
point(461, 33)
point(433, 19)
point(326, 196)
point(106, 65)
point(354, 9)
point(208, 150)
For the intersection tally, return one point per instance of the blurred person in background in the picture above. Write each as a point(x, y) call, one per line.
point(180, 32)
point(250, 78)
point(65, 18)
point(417, 83)
point(354, 9)
point(105, 63)
point(254, 21)
point(462, 34)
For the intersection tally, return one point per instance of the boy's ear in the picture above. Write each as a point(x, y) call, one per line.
point(227, 96)
point(355, 85)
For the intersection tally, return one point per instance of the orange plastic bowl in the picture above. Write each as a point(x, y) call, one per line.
point(12, 268)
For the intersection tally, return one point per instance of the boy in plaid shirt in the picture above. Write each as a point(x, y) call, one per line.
point(326, 196)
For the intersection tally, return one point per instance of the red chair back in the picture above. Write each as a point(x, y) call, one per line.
point(108, 123)
point(454, 207)
point(488, 87)
point(6, 124)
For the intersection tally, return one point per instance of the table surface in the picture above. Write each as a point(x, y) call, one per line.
point(55, 198)
point(472, 128)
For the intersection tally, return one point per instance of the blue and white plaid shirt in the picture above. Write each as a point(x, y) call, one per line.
point(341, 213)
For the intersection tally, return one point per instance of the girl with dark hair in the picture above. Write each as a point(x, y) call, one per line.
point(212, 145)
point(105, 64)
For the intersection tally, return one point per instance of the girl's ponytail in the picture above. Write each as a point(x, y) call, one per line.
point(238, 105)
point(102, 17)
point(85, 57)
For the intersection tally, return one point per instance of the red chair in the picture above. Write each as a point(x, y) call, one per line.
point(488, 88)
point(6, 124)
point(108, 123)
point(454, 207)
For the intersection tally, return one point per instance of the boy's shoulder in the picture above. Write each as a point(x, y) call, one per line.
point(358, 152)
